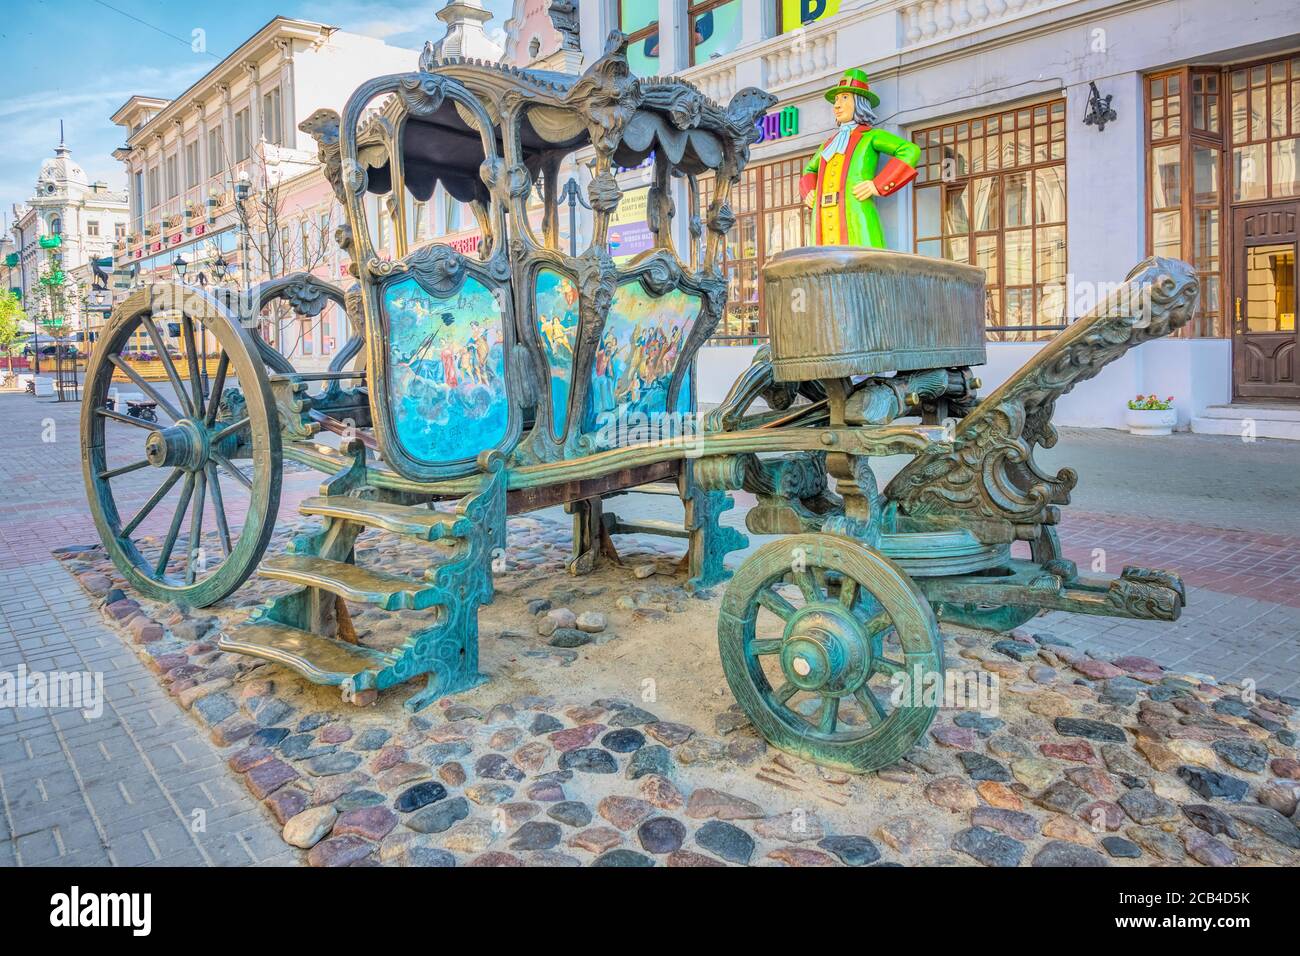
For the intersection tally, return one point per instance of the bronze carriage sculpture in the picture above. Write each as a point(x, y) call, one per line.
point(492, 382)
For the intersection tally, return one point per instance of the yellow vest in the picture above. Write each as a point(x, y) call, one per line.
point(830, 212)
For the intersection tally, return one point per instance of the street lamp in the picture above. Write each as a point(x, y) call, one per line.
point(571, 194)
point(180, 265)
point(220, 267)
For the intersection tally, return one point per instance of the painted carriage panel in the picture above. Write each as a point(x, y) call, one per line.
point(557, 323)
point(447, 370)
point(641, 343)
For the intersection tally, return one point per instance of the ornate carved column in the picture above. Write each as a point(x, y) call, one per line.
point(288, 116)
point(255, 131)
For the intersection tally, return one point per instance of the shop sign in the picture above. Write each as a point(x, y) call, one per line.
point(466, 244)
point(629, 231)
point(784, 122)
point(799, 13)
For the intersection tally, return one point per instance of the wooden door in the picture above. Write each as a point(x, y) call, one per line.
point(1265, 352)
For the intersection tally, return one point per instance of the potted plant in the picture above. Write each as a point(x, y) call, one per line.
point(1148, 415)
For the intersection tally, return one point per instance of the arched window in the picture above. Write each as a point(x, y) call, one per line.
point(56, 226)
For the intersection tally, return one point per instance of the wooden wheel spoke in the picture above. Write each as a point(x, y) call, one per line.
point(775, 603)
point(870, 706)
point(128, 420)
point(152, 503)
point(218, 386)
point(196, 380)
point(879, 624)
point(219, 509)
point(848, 592)
point(763, 646)
point(807, 583)
point(228, 430)
point(168, 365)
point(235, 473)
point(170, 542)
point(124, 470)
point(145, 387)
point(196, 524)
point(883, 665)
point(829, 716)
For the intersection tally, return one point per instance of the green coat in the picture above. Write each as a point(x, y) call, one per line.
point(859, 221)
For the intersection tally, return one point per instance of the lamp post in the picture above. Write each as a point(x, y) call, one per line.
point(180, 265)
point(570, 193)
point(242, 190)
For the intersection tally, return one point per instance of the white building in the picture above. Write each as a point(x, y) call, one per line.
point(87, 216)
point(1199, 162)
point(185, 156)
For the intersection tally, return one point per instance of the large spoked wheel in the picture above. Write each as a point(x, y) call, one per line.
point(826, 645)
point(194, 532)
point(1004, 617)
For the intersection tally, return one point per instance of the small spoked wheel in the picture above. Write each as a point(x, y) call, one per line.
point(1004, 617)
point(193, 532)
point(825, 644)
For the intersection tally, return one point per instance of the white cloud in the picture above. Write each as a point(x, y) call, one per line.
point(29, 125)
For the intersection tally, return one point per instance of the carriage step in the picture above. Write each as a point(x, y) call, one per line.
point(415, 521)
point(322, 660)
point(392, 592)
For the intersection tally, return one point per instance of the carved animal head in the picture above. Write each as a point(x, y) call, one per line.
point(322, 126)
point(748, 105)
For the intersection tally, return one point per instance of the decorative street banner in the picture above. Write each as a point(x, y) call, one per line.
point(629, 233)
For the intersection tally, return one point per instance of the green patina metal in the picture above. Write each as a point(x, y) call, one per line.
point(582, 387)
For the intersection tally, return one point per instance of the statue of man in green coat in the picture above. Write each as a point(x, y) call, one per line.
point(843, 177)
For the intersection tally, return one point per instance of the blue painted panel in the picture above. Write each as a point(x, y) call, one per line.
point(446, 370)
point(557, 321)
point(642, 340)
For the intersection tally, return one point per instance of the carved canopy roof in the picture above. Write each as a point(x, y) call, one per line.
point(670, 115)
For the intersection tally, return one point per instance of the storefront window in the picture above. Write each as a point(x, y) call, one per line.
point(639, 21)
point(770, 218)
point(1183, 175)
point(991, 192)
point(715, 28)
point(1266, 131)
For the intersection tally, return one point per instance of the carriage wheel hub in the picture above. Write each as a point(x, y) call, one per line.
point(825, 650)
point(183, 445)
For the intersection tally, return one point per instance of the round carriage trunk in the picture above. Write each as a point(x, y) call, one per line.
point(836, 311)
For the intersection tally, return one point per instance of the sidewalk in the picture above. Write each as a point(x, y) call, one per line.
point(140, 785)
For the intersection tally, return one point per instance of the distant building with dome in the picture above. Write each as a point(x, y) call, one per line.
point(87, 215)
point(466, 35)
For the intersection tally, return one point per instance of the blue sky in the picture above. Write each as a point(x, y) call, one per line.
point(79, 60)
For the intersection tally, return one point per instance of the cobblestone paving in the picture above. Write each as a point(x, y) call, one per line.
point(122, 789)
point(1080, 760)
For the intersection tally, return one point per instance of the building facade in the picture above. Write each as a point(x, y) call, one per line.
point(1198, 161)
point(86, 216)
point(234, 132)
